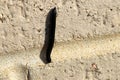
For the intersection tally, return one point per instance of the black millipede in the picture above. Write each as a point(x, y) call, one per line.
point(50, 26)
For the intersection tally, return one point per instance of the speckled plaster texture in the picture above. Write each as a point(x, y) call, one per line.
point(86, 40)
point(102, 67)
point(22, 22)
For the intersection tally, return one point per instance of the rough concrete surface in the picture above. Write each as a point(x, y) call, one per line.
point(22, 22)
point(86, 41)
point(107, 68)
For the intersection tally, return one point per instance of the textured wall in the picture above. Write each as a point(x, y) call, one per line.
point(22, 22)
point(87, 32)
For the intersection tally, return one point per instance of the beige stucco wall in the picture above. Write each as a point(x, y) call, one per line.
point(85, 30)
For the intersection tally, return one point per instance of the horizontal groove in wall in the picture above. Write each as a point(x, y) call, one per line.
point(89, 47)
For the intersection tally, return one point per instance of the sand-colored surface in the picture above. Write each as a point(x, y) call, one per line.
point(22, 22)
point(67, 60)
point(87, 32)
